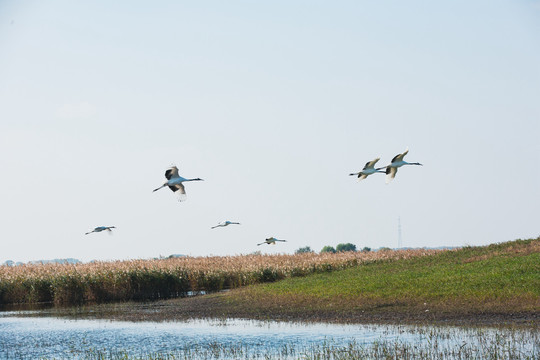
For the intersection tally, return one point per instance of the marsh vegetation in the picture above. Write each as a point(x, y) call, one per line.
point(72, 284)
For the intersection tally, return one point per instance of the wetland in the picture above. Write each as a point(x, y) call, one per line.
point(38, 335)
point(468, 303)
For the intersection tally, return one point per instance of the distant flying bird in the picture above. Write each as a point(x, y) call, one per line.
point(368, 169)
point(397, 162)
point(225, 223)
point(100, 229)
point(174, 182)
point(271, 240)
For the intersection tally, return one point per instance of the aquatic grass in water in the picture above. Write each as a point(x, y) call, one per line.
point(46, 338)
point(396, 349)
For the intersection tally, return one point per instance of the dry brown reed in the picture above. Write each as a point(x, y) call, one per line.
point(69, 284)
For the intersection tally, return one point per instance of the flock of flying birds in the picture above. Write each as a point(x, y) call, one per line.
point(175, 183)
point(390, 169)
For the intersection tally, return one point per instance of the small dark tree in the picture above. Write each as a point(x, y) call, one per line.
point(366, 249)
point(305, 249)
point(328, 248)
point(345, 247)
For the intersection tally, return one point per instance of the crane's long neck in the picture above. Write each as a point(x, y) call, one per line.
point(196, 179)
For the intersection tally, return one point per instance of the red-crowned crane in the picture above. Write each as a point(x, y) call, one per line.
point(100, 229)
point(225, 223)
point(271, 240)
point(174, 182)
point(368, 169)
point(396, 163)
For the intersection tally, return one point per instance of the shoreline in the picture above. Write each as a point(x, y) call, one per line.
point(215, 306)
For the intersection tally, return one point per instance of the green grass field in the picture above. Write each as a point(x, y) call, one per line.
point(496, 279)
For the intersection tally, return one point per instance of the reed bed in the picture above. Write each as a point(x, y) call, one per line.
point(72, 284)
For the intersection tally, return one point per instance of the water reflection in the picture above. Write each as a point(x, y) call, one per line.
point(46, 337)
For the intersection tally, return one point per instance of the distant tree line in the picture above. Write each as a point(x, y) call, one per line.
point(302, 250)
point(339, 248)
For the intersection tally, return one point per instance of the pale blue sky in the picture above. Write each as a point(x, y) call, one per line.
point(273, 104)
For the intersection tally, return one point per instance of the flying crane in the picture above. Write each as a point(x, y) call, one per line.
point(396, 163)
point(368, 169)
point(271, 241)
point(174, 182)
point(225, 223)
point(100, 229)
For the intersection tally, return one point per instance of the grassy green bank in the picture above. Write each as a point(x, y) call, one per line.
point(500, 279)
point(491, 284)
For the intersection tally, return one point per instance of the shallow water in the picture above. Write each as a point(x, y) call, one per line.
point(24, 337)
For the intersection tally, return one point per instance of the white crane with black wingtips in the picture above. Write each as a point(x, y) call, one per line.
point(271, 241)
point(397, 162)
point(174, 182)
point(368, 169)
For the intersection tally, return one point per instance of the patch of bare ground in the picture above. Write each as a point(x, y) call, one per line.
point(223, 307)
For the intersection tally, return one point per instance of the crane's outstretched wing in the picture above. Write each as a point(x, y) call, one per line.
point(400, 157)
point(179, 190)
point(390, 173)
point(361, 176)
point(172, 172)
point(371, 164)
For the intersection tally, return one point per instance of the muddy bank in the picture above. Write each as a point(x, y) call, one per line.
point(220, 306)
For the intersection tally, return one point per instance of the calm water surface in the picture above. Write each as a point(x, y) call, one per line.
point(24, 337)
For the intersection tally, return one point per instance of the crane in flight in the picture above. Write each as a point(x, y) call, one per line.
point(397, 162)
point(224, 223)
point(100, 229)
point(271, 240)
point(368, 169)
point(174, 182)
